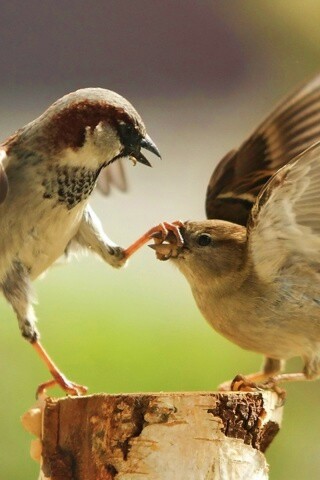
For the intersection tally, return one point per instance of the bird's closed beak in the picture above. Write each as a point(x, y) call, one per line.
point(148, 144)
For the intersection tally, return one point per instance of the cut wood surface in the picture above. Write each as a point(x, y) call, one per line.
point(159, 436)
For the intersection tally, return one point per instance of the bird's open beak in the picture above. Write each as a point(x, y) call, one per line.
point(172, 245)
point(164, 251)
point(148, 144)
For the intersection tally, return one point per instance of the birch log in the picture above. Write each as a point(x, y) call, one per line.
point(159, 436)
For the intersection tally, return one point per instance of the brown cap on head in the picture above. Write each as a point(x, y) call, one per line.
point(66, 121)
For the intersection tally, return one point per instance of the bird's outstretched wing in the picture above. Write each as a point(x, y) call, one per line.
point(113, 175)
point(284, 225)
point(289, 130)
point(3, 177)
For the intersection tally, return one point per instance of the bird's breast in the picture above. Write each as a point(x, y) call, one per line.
point(48, 237)
point(68, 185)
point(271, 321)
point(35, 230)
point(43, 209)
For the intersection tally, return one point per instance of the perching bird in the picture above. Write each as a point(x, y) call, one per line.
point(259, 285)
point(48, 169)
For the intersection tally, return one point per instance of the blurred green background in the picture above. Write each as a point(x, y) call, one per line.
point(202, 74)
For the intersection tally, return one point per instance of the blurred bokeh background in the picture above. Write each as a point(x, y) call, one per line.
point(202, 74)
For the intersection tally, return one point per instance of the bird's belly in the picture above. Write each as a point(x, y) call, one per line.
point(47, 239)
point(283, 331)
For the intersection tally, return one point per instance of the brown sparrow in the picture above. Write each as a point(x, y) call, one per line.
point(254, 269)
point(48, 169)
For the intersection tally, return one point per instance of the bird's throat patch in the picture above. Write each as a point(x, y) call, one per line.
point(69, 185)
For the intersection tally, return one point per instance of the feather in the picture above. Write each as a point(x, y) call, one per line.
point(289, 130)
point(284, 224)
point(112, 175)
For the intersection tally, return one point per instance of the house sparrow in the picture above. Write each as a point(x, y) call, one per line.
point(260, 286)
point(48, 169)
point(254, 269)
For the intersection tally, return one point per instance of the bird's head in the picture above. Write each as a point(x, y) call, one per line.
point(211, 249)
point(90, 127)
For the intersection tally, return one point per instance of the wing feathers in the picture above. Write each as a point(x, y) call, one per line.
point(290, 129)
point(113, 175)
point(285, 220)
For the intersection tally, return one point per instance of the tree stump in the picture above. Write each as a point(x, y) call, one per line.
point(159, 436)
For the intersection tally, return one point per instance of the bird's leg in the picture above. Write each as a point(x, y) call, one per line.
point(158, 232)
point(59, 378)
point(92, 236)
point(289, 377)
point(272, 383)
point(311, 371)
point(250, 382)
point(270, 377)
point(17, 289)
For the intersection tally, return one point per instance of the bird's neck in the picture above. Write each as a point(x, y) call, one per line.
point(218, 287)
point(56, 181)
point(226, 301)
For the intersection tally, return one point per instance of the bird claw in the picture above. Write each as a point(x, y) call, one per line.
point(241, 384)
point(117, 256)
point(272, 385)
point(167, 232)
point(238, 384)
point(69, 387)
point(59, 378)
point(161, 232)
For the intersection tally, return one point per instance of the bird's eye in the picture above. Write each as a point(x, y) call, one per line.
point(128, 134)
point(204, 239)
